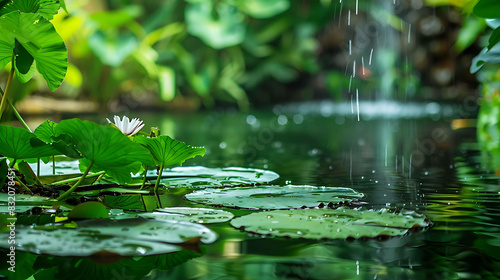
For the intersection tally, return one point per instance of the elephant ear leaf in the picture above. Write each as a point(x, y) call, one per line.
point(167, 151)
point(106, 147)
point(19, 143)
point(31, 37)
point(45, 8)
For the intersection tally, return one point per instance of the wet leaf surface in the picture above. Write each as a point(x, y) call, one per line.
point(341, 223)
point(127, 237)
point(274, 196)
point(183, 214)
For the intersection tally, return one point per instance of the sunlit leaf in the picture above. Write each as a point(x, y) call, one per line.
point(167, 151)
point(486, 56)
point(108, 148)
point(341, 223)
point(274, 197)
point(166, 77)
point(39, 38)
point(19, 143)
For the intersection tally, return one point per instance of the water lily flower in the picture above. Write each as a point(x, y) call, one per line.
point(127, 126)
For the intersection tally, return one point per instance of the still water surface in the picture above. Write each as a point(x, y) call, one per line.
point(416, 164)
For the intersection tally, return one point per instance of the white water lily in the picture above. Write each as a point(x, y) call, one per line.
point(127, 126)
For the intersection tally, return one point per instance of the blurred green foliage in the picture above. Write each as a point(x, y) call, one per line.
point(200, 49)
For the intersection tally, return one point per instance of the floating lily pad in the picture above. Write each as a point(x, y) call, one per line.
point(274, 197)
point(203, 177)
point(127, 237)
point(341, 223)
point(194, 215)
point(182, 214)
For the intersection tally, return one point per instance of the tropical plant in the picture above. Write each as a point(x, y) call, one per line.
point(29, 41)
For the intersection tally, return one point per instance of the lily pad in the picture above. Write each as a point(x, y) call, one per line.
point(203, 177)
point(341, 223)
point(182, 214)
point(193, 215)
point(274, 196)
point(127, 237)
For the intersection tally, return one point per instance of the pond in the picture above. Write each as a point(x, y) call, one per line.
point(426, 163)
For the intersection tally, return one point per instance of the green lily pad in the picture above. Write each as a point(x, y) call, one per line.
point(203, 177)
point(182, 214)
point(193, 215)
point(40, 40)
point(274, 196)
point(167, 151)
point(341, 223)
point(127, 237)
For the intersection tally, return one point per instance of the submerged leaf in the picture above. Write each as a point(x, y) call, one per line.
point(341, 223)
point(274, 197)
point(188, 214)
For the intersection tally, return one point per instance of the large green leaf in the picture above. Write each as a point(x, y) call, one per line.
point(340, 223)
point(39, 38)
point(19, 143)
point(167, 151)
point(128, 237)
point(225, 31)
point(487, 8)
point(45, 8)
point(46, 132)
point(105, 146)
point(274, 197)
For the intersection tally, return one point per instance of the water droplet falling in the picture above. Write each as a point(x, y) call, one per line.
point(349, 17)
point(409, 32)
point(356, 6)
point(354, 69)
point(350, 47)
point(357, 102)
point(370, 60)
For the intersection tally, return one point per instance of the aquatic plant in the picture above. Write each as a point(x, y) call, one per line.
point(29, 41)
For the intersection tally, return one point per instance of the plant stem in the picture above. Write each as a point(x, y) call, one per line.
point(78, 178)
point(22, 184)
point(145, 173)
point(159, 177)
point(13, 163)
point(68, 192)
point(38, 168)
point(9, 81)
point(16, 113)
point(53, 165)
